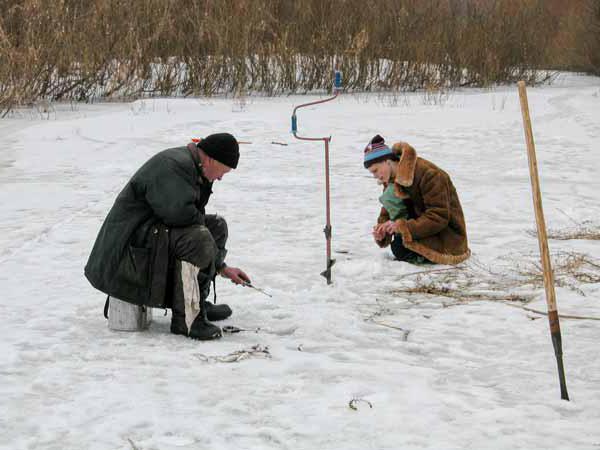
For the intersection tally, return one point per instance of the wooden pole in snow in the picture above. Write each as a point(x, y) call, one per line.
point(543, 242)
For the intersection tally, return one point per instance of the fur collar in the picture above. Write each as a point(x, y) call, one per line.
point(406, 166)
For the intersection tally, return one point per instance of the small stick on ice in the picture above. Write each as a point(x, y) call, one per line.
point(352, 404)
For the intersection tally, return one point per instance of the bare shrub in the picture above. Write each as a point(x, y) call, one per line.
point(510, 280)
point(570, 269)
point(576, 43)
point(585, 231)
point(87, 49)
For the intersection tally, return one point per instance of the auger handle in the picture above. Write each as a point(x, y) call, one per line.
point(338, 81)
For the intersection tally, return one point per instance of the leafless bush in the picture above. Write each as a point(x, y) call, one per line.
point(576, 43)
point(87, 49)
point(510, 280)
point(585, 231)
point(570, 269)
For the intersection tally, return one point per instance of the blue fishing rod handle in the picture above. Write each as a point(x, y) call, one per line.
point(294, 124)
point(338, 80)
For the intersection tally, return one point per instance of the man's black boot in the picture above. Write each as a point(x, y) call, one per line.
point(201, 328)
point(217, 312)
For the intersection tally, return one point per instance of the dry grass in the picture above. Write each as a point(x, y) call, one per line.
point(570, 270)
point(576, 43)
point(584, 231)
point(87, 49)
point(509, 281)
point(512, 282)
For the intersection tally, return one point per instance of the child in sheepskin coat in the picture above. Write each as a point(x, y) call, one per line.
point(421, 216)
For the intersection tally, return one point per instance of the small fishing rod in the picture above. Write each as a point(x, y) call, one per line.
point(248, 284)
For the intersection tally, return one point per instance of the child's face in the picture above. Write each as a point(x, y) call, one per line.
point(382, 171)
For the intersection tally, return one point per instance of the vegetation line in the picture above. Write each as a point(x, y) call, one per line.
point(81, 50)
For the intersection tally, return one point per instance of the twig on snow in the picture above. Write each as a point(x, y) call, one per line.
point(133, 446)
point(237, 356)
point(562, 316)
point(405, 332)
point(352, 404)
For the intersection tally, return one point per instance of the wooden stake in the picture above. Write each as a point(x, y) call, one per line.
point(543, 241)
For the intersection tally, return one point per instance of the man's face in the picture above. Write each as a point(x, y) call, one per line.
point(382, 171)
point(214, 170)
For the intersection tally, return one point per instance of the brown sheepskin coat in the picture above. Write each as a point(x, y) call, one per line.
point(438, 231)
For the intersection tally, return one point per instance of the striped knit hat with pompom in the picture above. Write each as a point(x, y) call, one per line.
point(377, 151)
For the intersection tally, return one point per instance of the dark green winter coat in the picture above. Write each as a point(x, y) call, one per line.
point(130, 258)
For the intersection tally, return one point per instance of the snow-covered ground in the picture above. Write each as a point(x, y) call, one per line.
point(475, 375)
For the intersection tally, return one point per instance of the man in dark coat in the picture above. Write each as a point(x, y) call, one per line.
point(158, 247)
point(421, 215)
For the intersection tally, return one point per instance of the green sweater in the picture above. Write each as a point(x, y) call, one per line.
point(395, 207)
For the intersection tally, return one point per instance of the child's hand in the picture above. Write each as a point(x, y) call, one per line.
point(389, 227)
point(378, 232)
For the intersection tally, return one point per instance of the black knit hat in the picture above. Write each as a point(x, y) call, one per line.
point(221, 146)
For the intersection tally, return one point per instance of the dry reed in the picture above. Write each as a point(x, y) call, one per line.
point(83, 50)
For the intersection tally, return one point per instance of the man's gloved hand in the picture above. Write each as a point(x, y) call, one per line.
point(236, 275)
